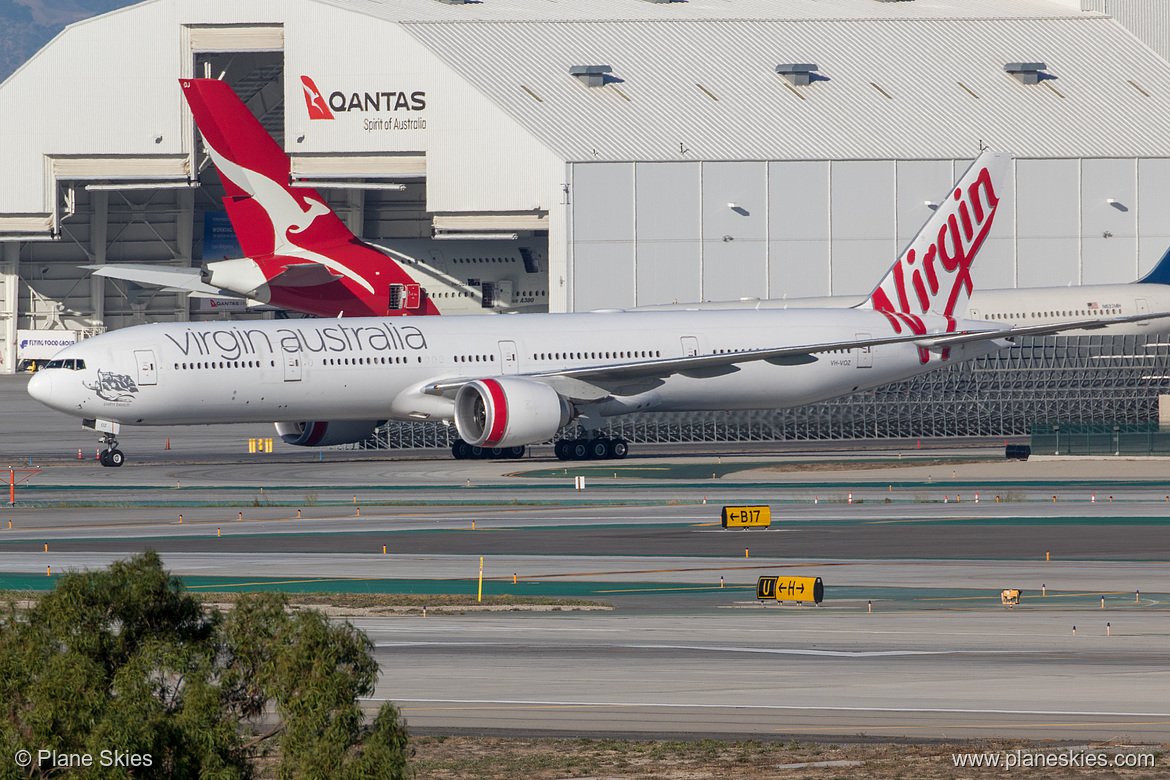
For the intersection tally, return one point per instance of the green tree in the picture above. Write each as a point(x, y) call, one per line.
point(313, 671)
point(124, 659)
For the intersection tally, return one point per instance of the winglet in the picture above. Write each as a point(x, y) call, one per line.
point(933, 274)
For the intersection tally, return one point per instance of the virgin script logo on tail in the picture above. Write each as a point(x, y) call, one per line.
point(314, 100)
point(936, 278)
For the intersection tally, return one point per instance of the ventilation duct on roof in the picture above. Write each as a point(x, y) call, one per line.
point(591, 75)
point(1026, 72)
point(799, 73)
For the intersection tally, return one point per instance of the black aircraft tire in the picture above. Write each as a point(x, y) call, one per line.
point(598, 449)
point(618, 449)
point(116, 458)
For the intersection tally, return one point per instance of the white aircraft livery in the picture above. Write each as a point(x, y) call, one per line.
point(507, 382)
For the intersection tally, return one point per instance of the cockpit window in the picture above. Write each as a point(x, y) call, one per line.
point(72, 364)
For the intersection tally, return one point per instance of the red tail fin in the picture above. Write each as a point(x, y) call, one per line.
point(262, 206)
point(281, 224)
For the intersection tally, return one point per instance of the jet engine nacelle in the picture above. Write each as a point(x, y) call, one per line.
point(504, 412)
point(324, 434)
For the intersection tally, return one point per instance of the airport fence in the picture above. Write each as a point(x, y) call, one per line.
point(1120, 439)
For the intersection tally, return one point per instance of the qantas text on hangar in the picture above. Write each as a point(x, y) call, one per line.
point(359, 101)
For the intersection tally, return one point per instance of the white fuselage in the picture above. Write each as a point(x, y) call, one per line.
point(1021, 306)
point(376, 368)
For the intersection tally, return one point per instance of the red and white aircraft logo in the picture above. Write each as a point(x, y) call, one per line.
point(314, 100)
point(299, 254)
point(933, 275)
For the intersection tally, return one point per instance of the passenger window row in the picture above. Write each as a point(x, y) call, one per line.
point(217, 364)
point(1111, 311)
point(220, 364)
point(375, 361)
point(627, 355)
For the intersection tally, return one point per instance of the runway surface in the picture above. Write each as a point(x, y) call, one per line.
point(911, 640)
point(796, 673)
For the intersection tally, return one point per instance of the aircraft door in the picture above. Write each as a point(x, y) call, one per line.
point(147, 370)
point(1143, 307)
point(413, 296)
point(503, 293)
point(292, 367)
point(690, 346)
point(863, 355)
point(508, 362)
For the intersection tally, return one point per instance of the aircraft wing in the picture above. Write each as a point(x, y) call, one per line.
point(726, 363)
point(591, 383)
point(583, 383)
point(170, 278)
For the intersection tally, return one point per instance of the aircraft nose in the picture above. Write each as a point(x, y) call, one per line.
point(40, 387)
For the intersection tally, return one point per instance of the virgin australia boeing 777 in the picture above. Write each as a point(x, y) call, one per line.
point(507, 382)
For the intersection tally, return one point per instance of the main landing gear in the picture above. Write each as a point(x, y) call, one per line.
point(111, 456)
point(464, 451)
point(591, 449)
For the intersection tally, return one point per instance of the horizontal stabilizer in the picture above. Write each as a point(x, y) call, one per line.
point(169, 278)
point(303, 275)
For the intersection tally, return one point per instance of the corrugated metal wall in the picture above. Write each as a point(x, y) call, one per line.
point(1149, 20)
point(648, 233)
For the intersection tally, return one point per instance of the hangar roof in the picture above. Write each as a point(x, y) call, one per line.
point(641, 10)
point(895, 80)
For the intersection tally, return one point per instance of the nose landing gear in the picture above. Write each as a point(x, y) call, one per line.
point(111, 456)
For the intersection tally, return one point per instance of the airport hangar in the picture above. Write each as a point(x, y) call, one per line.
point(670, 151)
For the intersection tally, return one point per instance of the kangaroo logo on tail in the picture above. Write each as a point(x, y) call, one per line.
point(933, 275)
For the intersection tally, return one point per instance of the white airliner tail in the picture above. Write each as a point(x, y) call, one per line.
point(933, 274)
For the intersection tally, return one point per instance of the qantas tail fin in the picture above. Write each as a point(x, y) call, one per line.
point(933, 274)
point(269, 216)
